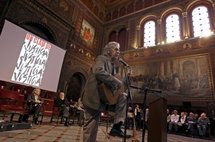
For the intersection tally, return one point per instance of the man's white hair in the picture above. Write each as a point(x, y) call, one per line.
point(110, 45)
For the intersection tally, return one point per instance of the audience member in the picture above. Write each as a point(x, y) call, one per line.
point(174, 118)
point(182, 124)
point(202, 124)
point(137, 113)
point(191, 122)
point(64, 107)
point(33, 106)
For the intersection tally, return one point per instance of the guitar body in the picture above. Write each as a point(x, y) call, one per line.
point(107, 95)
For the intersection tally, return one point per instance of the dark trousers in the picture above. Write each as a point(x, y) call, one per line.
point(34, 110)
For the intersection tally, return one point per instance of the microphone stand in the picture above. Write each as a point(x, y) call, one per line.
point(127, 84)
point(129, 97)
point(146, 90)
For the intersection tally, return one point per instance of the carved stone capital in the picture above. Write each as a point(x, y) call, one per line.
point(184, 14)
point(159, 21)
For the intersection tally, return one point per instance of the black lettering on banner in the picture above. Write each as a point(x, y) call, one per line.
point(32, 61)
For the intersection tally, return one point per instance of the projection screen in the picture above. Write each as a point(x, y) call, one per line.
point(29, 60)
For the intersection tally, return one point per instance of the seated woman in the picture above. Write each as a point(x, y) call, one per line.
point(33, 105)
point(182, 123)
point(63, 104)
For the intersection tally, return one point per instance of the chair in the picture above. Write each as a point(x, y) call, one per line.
point(73, 114)
point(47, 108)
point(56, 114)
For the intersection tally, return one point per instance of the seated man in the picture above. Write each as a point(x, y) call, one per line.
point(191, 123)
point(202, 124)
point(63, 104)
point(174, 118)
point(33, 106)
point(103, 71)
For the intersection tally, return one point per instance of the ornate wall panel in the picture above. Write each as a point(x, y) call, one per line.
point(62, 8)
point(187, 76)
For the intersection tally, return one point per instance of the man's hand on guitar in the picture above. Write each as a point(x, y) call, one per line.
point(119, 90)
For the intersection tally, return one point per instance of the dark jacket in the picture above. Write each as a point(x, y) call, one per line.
point(31, 102)
point(59, 102)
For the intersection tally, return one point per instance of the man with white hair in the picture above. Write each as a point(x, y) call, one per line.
point(103, 71)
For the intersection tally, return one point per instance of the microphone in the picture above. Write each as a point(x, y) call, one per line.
point(123, 62)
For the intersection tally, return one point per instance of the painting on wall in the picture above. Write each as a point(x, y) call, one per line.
point(87, 33)
point(188, 76)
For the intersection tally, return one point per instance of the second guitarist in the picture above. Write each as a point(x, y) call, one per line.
point(103, 71)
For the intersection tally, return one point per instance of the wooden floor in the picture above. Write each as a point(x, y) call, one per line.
point(47, 132)
point(59, 133)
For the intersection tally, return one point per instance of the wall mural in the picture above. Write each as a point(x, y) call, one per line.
point(187, 76)
point(87, 32)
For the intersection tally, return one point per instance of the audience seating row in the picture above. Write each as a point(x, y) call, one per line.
point(12, 102)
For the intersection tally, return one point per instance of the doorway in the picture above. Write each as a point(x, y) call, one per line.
point(75, 86)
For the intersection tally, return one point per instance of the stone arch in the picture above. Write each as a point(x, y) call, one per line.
point(75, 86)
point(41, 30)
point(114, 32)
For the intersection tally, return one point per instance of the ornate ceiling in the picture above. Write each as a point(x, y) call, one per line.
point(110, 3)
point(108, 10)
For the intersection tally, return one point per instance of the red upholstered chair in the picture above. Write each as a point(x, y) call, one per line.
point(11, 102)
point(56, 114)
point(47, 108)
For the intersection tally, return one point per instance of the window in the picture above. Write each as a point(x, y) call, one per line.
point(149, 34)
point(200, 21)
point(172, 28)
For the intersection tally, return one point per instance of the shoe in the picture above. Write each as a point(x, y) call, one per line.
point(118, 133)
point(115, 132)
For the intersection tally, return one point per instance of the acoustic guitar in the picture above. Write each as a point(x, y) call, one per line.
point(107, 95)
